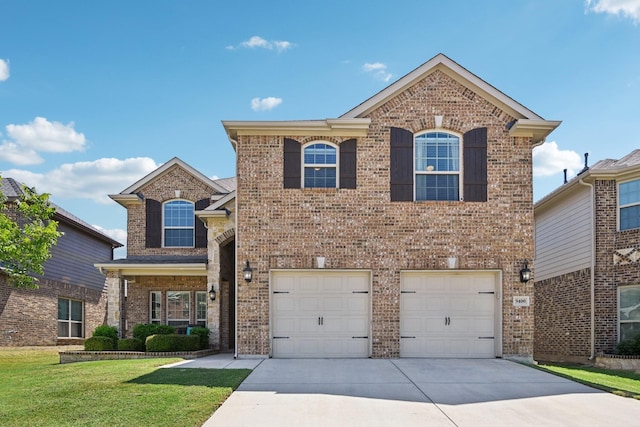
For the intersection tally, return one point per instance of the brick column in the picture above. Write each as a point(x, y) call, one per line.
point(113, 299)
point(213, 279)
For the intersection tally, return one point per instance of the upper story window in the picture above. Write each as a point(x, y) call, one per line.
point(629, 204)
point(320, 164)
point(178, 224)
point(437, 166)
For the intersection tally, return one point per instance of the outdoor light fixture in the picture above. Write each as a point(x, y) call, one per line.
point(247, 272)
point(212, 293)
point(525, 273)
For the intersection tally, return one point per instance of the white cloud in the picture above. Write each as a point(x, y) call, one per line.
point(4, 70)
point(258, 42)
point(41, 135)
point(87, 180)
point(549, 160)
point(117, 234)
point(626, 8)
point(265, 104)
point(378, 69)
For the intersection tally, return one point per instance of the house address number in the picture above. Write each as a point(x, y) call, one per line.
point(521, 301)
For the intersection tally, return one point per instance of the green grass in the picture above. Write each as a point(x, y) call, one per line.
point(36, 390)
point(623, 383)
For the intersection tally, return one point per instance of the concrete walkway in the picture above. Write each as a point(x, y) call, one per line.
point(410, 392)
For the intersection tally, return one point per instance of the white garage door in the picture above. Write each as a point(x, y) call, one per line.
point(320, 313)
point(448, 314)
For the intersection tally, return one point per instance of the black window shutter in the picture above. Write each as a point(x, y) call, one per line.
point(401, 165)
point(292, 176)
point(201, 231)
point(348, 164)
point(153, 237)
point(475, 165)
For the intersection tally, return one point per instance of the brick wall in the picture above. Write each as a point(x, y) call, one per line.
point(162, 189)
point(563, 317)
point(30, 316)
point(361, 228)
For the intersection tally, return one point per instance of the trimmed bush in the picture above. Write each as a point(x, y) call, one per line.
point(144, 330)
point(203, 333)
point(107, 331)
point(173, 342)
point(130, 344)
point(98, 344)
point(629, 347)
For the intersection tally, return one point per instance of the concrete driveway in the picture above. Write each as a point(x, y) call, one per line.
point(416, 392)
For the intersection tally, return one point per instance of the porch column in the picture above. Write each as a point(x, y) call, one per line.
point(113, 298)
point(213, 279)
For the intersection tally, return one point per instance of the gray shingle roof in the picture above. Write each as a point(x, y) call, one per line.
point(228, 183)
point(631, 159)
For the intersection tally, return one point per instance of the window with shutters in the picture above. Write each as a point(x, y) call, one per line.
point(437, 163)
point(178, 224)
point(320, 165)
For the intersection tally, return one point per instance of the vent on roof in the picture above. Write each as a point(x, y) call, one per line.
point(565, 176)
point(586, 162)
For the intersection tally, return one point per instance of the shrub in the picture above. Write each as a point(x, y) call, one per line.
point(107, 331)
point(144, 330)
point(173, 342)
point(630, 347)
point(98, 344)
point(203, 333)
point(130, 344)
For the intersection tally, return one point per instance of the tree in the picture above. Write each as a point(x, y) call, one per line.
point(27, 233)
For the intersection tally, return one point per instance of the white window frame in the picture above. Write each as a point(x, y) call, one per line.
point(620, 321)
point(205, 296)
point(158, 298)
point(69, 321)
point(193, 227)
point(168, 312)
point(628, 205)
point(460, 171)
point(320, 165)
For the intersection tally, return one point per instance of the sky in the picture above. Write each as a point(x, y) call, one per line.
point(95, 95)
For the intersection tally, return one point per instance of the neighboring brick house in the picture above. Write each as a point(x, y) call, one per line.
point(71, 299)
point(170, 269)
point(587, 281)
point(396, 230)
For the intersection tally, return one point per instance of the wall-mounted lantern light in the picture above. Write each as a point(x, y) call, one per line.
point(247, 272)
point(525, 273)
point(212, 293)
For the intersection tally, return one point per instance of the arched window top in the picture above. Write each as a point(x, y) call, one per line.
point(178, 223)
point(438, 164)
point(320, 160)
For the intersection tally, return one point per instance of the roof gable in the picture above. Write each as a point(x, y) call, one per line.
point(134, 188)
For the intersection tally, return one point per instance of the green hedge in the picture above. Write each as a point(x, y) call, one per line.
point(144, 330)
point(107, 331)
point(130, 344)
point(173, 342)
point(203, 333)
point(99, 344)
point(629, 347)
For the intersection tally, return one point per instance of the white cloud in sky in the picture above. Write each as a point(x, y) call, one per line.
point(378, 69)
point(87, 180)
point(4, 70)
point(258, 42)
point(40, 135)
point(117, 234)
point(626, 8)
point(265, 104)
point(549, 160)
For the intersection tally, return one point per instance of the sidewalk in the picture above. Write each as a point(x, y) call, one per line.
point(217, 361)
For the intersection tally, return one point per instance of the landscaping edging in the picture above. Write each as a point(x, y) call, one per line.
point(614, 361)
point(88, 356)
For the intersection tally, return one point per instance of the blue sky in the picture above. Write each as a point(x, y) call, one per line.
point(95, 95)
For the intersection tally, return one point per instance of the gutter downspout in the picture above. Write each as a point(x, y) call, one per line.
point(593, 267)
point(235, 242)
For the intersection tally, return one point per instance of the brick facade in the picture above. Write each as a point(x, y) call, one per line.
point(29, 317)
point(362, 229)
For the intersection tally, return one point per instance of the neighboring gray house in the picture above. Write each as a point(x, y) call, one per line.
point(587, 280)
point(71, 299)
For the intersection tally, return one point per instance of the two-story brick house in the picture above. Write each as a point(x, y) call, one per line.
point(71, 299)
point(398, 229)
point(587, 282)
point(178, 271)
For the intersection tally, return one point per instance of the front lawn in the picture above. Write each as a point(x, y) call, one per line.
point(623, 383)
point(36, 390)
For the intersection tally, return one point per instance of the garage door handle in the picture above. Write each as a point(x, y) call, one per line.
point(280, 292)
point(407, 337)
point(407, 292)
point(447, 320)
point(489, 293)
point(359, 337)
point(486, 338)
point(321, 321)
point(360, 292)
point(280, 338)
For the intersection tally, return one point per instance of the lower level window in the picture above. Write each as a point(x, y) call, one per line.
point(178, 307)
point(155, 307)
point(629, 311)
point(201, 309)
point(70, 318)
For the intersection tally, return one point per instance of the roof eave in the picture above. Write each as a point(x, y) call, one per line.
point(535, 129)
point(143, 269)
